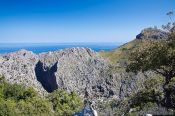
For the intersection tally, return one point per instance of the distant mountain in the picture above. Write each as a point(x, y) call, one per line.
point(152, 33)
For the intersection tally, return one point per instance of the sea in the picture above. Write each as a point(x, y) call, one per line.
point(46, 47)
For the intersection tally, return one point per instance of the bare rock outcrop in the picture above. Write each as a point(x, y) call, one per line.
point(76, 69)
point(152, 33)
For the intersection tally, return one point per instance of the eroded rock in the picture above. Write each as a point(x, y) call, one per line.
point(76, 69)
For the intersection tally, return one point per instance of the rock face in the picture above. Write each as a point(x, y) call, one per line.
point(18, 67)
point(75, 69)
point(152, 33)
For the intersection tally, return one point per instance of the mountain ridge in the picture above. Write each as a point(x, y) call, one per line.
point(82, 76)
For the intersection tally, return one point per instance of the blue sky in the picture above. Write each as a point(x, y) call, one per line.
point(61, 21)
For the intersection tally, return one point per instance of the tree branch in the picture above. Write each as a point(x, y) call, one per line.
point(159, 72)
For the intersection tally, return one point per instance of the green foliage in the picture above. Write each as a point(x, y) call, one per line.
point(7, 107)
point(17, 100)
point(35, 106)
point(153, 82)
point(171, 88)
point(144, 100)
point(141, 101)
point(17, 92)
point(144, 97)
point(157, 56)
point(151, 55)
point(65, 103)
point(2, 79)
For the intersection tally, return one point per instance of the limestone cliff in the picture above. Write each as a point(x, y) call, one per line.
point(74, 69)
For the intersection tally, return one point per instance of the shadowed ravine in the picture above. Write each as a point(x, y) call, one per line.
point(46, 76)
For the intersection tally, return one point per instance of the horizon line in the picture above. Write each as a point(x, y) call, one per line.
point(58, 42)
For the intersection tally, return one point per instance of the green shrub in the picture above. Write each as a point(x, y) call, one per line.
point(142, 98)
point(65, 103)
point(7, 107)
point(29, 93)
point(14, 91)
point(18, 100)
point(34, 107)
point(153, 82)
point(18, 92)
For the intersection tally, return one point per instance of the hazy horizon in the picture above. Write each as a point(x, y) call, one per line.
point(46, 47)
point(77, 21)
point(61, 42)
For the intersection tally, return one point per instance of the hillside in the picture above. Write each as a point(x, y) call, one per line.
point(147, 99)
point(119, 56)
point(98, 77)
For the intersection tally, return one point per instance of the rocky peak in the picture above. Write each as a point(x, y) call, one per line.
point(152, 33)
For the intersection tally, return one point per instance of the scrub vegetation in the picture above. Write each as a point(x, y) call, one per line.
point(17, 100)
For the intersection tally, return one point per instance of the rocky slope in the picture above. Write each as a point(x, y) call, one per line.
point(75, 69)
point(152, 33)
